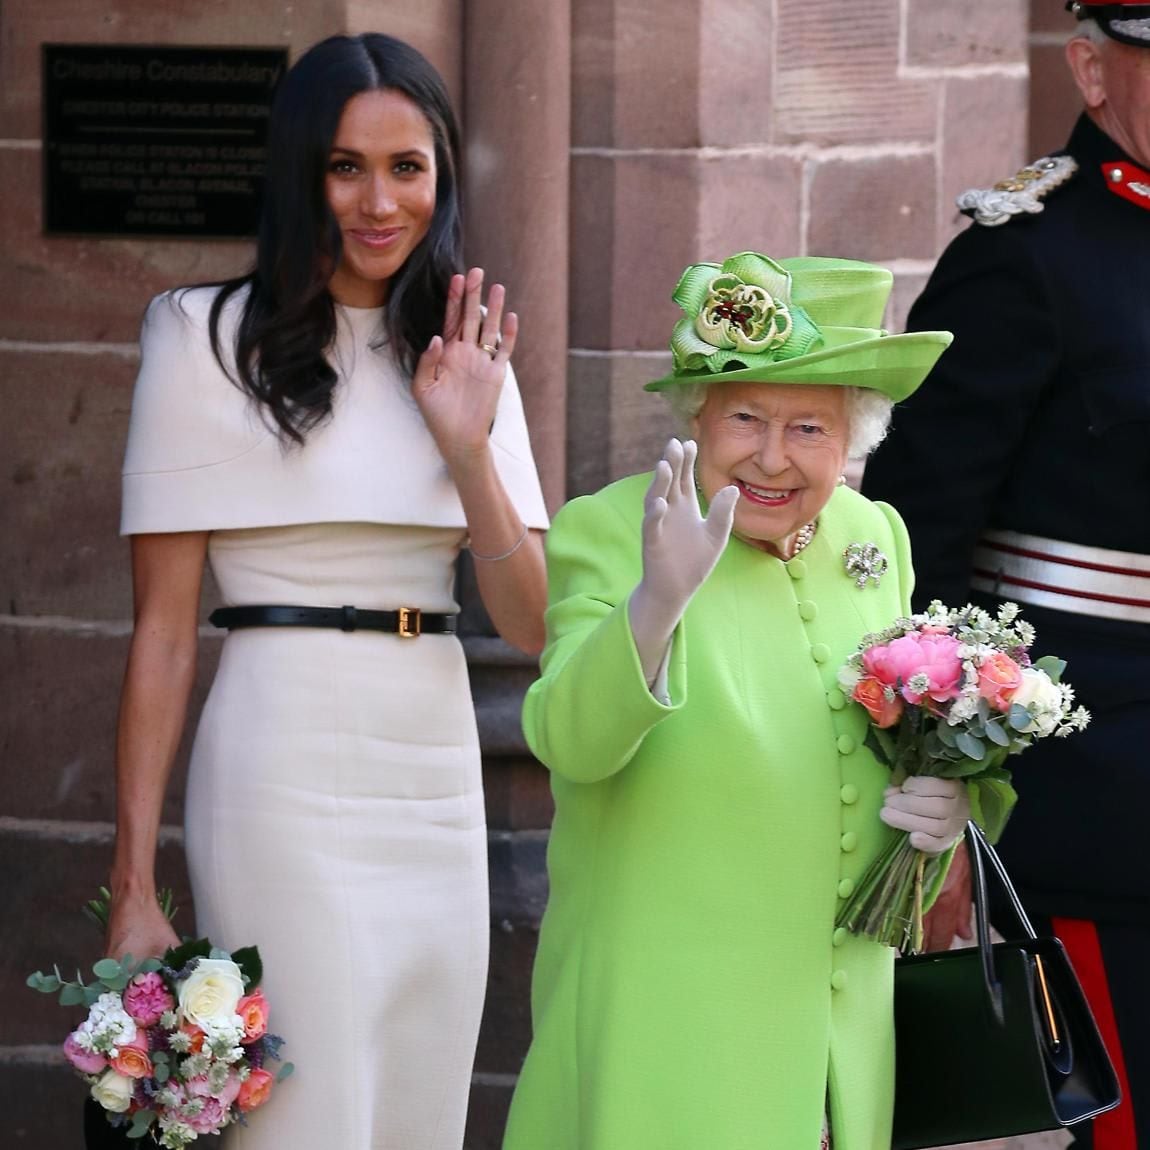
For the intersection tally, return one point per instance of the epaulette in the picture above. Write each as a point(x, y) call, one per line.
point(1021, 194)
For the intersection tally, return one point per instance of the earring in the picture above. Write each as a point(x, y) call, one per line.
point(842, 480)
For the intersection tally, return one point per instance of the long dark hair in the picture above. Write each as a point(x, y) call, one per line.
point(288, 320)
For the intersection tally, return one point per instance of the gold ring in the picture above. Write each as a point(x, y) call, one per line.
point(491, 351)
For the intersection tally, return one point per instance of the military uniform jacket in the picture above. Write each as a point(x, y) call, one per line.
point(1038, 420)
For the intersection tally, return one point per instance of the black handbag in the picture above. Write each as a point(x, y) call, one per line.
point(994, 1040)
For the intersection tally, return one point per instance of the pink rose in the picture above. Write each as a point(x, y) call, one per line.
point(999, 677)
point(256, 1090)
point(254, 1011)
point(211, 1117)
point(83, 1060)
point(882, 703)
point(934, 657)
point(146, 998)
point(201, 1088)
point(132, 1059)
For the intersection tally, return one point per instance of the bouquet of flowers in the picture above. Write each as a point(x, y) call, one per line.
point(950, 694)
point(173, 1047)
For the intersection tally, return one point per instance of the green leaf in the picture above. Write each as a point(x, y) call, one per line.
point(141, 1120)
point(1019, 717)
point(44, 983)
point(91, 993)
point(72, 994)
point(161, 1071)
point(1052, 665)
point(991, 801)
point(286, 1071)
point(177, 957)
point(106, 968)
point(247, 958)
point(149, 965)
point(971, 747)
point(996, 734)
point(946, 734)
point(118, 983)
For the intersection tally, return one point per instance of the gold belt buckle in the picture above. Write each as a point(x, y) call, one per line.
point(409, 622)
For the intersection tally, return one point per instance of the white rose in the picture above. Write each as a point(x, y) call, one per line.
point(114, 1091)
point(1042, 698)
point(211, 992)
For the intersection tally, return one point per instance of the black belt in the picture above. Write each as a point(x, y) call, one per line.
point(407, 622)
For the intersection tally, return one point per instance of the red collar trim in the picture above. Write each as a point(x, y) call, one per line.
point(1128, 181)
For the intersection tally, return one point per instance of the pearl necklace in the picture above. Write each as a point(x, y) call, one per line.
point(803, 536)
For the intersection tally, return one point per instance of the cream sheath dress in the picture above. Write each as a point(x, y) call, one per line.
point(334, 812)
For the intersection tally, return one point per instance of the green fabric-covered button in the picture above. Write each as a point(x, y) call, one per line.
point(839, 980)
point(797, 568)
point(820, 652)
point(849, 841)
point(846, 744)
point(836, 700)
point(849, 793)
point(839, 936)
point(846, 887)
point(808, 611)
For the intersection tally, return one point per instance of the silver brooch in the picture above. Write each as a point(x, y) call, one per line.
point(865, 561)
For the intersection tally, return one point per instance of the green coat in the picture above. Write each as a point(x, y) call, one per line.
point(691, 991)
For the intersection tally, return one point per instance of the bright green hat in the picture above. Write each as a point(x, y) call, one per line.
point(801, 320)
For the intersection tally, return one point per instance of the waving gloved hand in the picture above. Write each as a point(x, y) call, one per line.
point(680, 549)
point(934, 811)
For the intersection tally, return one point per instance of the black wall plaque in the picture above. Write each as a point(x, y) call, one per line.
point(156, 141)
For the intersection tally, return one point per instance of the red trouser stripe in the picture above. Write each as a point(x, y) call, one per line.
point(1113, 1130)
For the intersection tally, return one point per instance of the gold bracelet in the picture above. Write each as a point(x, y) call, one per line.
point(506, 554)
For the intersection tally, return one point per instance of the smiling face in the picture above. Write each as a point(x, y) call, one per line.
point(380, 186)
point(783, 446)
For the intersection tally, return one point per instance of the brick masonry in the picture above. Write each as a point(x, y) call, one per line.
point(606, 149)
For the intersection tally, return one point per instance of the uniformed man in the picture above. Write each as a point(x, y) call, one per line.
point(1022, 468)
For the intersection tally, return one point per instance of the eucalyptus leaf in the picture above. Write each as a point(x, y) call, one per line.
point(983, 709)
point(91, 993)
point(946, 734)
point(141, 1120)
point(161, 1071)
point(996, 734)
point(44, 983)
point(286, 1071)
point(106, 968)
point(1018, 717)
point(118, 983)
point(1052, 665)
point(72, 994)
point(971, 747)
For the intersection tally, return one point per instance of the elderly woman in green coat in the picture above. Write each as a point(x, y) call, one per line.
point(714, 800)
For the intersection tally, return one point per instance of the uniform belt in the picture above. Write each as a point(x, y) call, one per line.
point(407, 622)
point(1063, 576)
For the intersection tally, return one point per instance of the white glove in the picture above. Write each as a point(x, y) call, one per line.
point(680, 549)
point(934, 811)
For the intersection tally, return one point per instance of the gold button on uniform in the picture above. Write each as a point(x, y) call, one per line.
point(836, 700)
point(839, 980)
point(849, 793)
point(849, 841)
point(846, 887)
point(845, 744)
point(820, 652)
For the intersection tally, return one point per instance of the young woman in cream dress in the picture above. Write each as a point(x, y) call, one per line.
point(328, 432)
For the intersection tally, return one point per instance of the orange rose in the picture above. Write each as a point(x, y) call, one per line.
point(255, 1090)
point(254, 1011)
point(132, 1061)
point(998, 679)
point(883, 705)
point(195, 1034)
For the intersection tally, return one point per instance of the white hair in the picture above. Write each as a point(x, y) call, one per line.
point(868, 413)
point(1091, 30)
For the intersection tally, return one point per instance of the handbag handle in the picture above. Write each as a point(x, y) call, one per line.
point(981, 852)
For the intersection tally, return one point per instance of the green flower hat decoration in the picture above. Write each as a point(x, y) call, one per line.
point(801, 320)
point(741, 311)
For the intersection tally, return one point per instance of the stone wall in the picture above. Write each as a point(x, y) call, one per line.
point(609, 143)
